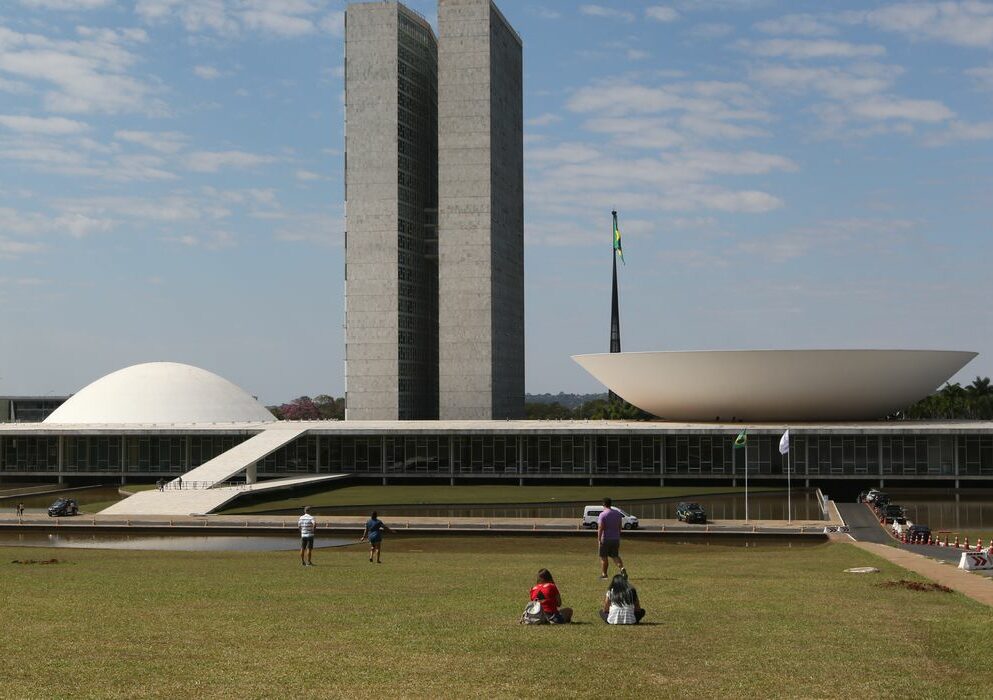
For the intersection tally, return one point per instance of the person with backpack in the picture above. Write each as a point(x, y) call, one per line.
point(547, 593)
point(621, 605)
point(374, 533)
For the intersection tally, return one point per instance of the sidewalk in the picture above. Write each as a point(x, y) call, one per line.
point(979, 588)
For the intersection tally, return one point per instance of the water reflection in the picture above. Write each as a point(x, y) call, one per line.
point(174, 543)
point(98, 494)
point(761, 506)
point(943, 509)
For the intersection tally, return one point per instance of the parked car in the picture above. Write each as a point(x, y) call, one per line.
point(920, 533)
point(691, 513)
point(63, 506)
point(877, 497)
point(893, 514)
point(591, 513)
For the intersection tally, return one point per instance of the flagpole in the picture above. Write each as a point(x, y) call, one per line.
point(615, 317)
point(789, 492)
point(746, 479)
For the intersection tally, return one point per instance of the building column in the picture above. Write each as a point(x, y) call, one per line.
point(252, 473)
point(61, 462)
point(956, 462)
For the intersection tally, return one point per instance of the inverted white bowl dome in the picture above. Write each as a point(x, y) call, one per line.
point(775, 385)
point(161, 392)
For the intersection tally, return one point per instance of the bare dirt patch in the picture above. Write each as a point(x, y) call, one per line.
point(924, 586)
point(37, 561)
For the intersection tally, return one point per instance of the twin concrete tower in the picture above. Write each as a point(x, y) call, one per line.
point(434, 206)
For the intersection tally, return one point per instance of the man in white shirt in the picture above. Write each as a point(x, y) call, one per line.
point(308, 526)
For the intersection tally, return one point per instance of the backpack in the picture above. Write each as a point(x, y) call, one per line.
point(533, 614)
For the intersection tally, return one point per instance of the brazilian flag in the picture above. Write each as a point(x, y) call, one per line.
point(742, 438)
point(617, 240)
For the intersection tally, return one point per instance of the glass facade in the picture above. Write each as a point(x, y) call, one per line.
point(417, 236)
point(579, 454)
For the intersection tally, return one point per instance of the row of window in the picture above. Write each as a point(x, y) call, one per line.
point(680, 454)
point(81, 453)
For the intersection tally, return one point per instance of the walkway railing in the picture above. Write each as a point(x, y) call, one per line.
point(185, 485)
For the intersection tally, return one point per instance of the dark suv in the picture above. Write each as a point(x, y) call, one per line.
point(918, 533)
point(691, 513)
point(63, 506)
point(893, 514)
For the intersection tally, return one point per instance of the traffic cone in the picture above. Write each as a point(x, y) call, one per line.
point(967, 542)
point(979, 543)
point(956, 541)
point(946, 539)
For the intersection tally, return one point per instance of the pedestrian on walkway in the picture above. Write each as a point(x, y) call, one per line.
point(179, 482)
point(308, 527)
point(20, 509)
point(609, 538)
point(374, 529)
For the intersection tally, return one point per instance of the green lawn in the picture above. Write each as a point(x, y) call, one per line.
point(441, 494)
point(438, 618)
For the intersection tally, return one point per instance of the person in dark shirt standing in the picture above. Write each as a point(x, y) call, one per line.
point(374, 529)
point(608, 531)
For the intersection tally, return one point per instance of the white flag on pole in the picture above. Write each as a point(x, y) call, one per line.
point(784, 443)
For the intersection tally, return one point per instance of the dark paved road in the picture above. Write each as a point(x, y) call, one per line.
point(864, 527)
point(862, 523)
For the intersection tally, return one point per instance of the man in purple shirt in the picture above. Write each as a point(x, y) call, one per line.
point(608, 531)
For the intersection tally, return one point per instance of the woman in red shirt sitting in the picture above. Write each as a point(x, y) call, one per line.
point(547, 592)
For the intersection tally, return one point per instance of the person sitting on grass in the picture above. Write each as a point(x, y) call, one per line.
point(374, 533)
point(621, 605)
point(547, 592)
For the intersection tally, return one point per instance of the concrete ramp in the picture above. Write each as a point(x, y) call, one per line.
point(199, 501)
point(240, 457)
point(204, 489)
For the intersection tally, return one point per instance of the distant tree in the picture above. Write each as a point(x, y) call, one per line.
point(302, 408)
point(547, 411)
point(321, 407)
point(605, 409)
point(954, 402)
point(329, 407)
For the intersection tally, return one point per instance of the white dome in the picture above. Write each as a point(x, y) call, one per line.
point(161, 392)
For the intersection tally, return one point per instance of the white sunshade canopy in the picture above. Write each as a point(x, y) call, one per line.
point(161, 392)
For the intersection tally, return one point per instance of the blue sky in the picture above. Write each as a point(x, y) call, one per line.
point(788, 174)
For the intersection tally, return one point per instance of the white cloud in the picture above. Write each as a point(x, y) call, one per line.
point(562, 153)
point(606, 12)
point(212, 161)
point(307, 175)
point(799, 49)
point(711, 30)
point(42, 125)
point(542, 12)
point(66, 5)
point(897, 108)
point(962, 131)
point(801, 25)
point(837, 83)
point(839, 237)
point(983, 76)
point(637, 55)
point(661, 13)
point(161, 141)
point(209, 240)
point(207, 72)
point(282, 19)
point(333, 23)
point(543, 119)
point(90, 74)
point(325, 230)
point(963, 22)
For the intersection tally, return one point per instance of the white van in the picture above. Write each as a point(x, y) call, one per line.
point(591, 513)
